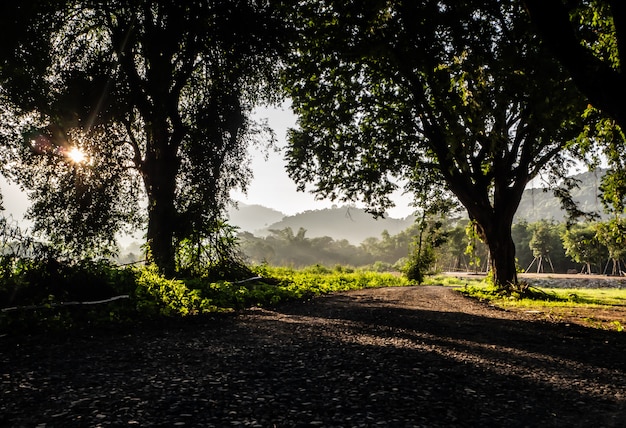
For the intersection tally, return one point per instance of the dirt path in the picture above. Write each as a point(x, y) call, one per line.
point(419, 356)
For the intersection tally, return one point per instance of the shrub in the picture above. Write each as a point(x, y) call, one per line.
point(157, 295)
point(419, 263)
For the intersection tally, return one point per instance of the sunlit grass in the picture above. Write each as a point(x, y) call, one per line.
point(579, 296)
point(452, 281)
point(547, 297)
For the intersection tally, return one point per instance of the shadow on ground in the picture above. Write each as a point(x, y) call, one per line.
point(353, 359)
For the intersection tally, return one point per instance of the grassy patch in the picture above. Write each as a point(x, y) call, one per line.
point(453, 281)
point(550, 297)
point(150, 295)
point(603, 308)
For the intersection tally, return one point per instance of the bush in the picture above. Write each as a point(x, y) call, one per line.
point(157, 295)
point(44, 284)
point(419, 264)
point(42, 294)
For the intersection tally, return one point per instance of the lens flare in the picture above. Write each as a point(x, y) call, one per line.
point(76, 155)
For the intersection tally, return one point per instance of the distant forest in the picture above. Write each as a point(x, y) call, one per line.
point(350, 236)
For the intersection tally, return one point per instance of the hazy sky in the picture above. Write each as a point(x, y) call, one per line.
point(271, 187)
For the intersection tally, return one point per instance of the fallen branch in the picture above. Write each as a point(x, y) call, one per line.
point(61, 304)
point(254, 278)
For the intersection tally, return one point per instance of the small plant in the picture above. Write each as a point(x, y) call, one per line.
point(157, 295)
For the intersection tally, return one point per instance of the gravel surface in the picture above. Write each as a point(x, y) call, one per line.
point(398, 357)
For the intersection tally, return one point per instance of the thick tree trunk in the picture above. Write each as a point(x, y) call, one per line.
point(160, 170)
point(494, 220)
point(161, 229)
point(497, 236)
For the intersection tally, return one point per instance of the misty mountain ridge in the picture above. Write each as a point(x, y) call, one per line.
point(541, 204)
point(346, 222)
point(356, 225)
point(254, 218)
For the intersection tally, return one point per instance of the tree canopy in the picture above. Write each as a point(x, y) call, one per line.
point(157, 92)
point(588, 37)
point(433, 93)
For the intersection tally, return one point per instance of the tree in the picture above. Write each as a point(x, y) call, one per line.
point(434, 93)
point(434, 205)
point(582, 245)
point(171, 83)
point(612, 234)
point(284, 248)
point(451, 254)
point(588, 37)
point(521, 233)
point(543, 242)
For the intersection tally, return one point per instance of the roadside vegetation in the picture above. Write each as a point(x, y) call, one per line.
point(49, 294)
point(42, 290)
point(119, 118)
point(603, 308)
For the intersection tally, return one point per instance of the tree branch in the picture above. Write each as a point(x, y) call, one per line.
point(602, 85)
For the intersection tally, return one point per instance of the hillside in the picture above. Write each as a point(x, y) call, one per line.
point(538, 204)
point(253, 218)
point(352, 224)
point(355, 225)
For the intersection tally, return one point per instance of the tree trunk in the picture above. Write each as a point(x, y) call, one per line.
point(494, 223)
point(161, 228)
point(497, 236)
point(160, 170)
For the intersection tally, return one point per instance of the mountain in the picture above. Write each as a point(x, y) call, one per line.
point(355, 225)
point(538, 204)
point(253, 218)
point(352, 224)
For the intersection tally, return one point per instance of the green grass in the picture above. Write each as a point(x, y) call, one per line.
point(275, 285)
point(453, 281)
point(574, 304)
point(550, 297)
point(577, 296)
point(150, 295)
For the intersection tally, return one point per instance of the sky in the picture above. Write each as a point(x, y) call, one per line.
point(270, 187)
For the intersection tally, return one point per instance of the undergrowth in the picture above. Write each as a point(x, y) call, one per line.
point(34, 298)
point(548, 297)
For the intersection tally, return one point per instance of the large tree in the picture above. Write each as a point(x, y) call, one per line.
point(588, 37)
point(434, 93)
point(166, 87)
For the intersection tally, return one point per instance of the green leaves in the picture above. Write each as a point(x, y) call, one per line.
point(160, 91)
point(460, 92)
point(79, 205)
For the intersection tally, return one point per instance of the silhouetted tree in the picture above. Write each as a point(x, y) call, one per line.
point(429, 92)
point(161, 88)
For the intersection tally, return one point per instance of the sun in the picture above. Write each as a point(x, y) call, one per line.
point(76, 155)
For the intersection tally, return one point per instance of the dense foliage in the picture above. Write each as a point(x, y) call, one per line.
point(588, 37)
point(155, 96)
point(451, 246)
point(40, 290)
point(42, 294)
point(466, 99)
point(125, 113)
